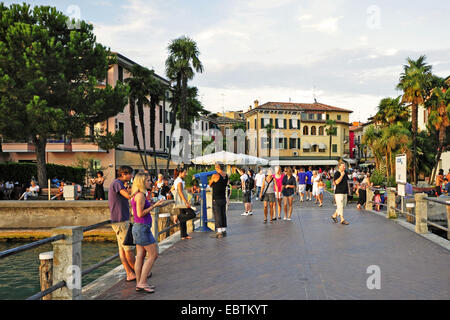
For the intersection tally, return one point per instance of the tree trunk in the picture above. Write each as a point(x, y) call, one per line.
point(40, 144)
point(134, 131)
point(152, 129)
point(141, 121)
point(414, 116)
point(439, 153)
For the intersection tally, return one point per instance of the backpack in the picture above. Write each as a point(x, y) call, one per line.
point(250, 183)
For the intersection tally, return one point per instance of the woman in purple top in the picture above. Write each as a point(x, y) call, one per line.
point(142, 234)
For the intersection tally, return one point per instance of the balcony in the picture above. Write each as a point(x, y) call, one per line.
point(58, 146)
point(80, 145)
point(22, 147)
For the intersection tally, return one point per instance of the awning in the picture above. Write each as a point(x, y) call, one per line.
point(351, 161)
point(304, 163)
point(306, 145)
point(322, 146)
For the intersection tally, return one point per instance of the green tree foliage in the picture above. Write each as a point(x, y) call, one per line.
point(49, 77)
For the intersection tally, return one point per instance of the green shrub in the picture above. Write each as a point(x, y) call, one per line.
point(391, 182)
point(235, 177)
point(23, 172)
point(378, 178)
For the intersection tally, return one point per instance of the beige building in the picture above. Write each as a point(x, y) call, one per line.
point(298, 135)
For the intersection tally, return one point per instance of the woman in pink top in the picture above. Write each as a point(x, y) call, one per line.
point(142, 234)
point(278, 186)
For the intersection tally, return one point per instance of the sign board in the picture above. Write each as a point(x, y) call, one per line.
point(401, 190)
point(400, 169)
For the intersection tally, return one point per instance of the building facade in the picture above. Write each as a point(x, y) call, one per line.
point(298, 133)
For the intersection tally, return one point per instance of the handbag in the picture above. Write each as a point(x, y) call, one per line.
point(264, 193)
point(129, 239)
point(179, 203)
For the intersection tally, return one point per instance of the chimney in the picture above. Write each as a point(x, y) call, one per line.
point(256, 103)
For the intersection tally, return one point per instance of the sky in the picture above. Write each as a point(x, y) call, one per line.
point(345, 53)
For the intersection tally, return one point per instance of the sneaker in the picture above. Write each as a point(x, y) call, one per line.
point(284, 218)
point(250, 213)
point(289, 219)
point(216, 235)
point(244, 214)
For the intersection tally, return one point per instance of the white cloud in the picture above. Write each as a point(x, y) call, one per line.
point(328, 25)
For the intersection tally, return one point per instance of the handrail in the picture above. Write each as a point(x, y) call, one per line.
point(98, 265)
point(42, 294)
point(438, 201)
point(29, 246)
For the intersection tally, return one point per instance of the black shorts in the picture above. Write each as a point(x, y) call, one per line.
point(309, 187)
point(247, 197)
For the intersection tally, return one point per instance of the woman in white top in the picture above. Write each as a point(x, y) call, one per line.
point(32, 191)
point(187, 213)
point(315, 180)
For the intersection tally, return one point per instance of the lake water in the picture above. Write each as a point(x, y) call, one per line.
point(19, 273)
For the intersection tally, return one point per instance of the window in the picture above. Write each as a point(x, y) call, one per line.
point(319, 116)
point(311, 116)
point(328, 117)
point(122, 129)
point(304, 116)
point(281, 143)
point(339, 117)
point(321, 131)
point(314, 148)
point(265, 143)
point(313, 130)
point(305, 130)
point(334, 149)
point(292, 143)
point(256, 124)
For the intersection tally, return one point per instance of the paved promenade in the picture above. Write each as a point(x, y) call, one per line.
point(309, 257)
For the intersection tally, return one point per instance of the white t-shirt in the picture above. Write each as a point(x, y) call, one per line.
point(259, 179)
point(177, 181)
point(34, 189)
point(9, 185)
point(244, 178)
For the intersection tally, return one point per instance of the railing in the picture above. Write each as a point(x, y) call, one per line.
point(417, 210)
point(67, 245)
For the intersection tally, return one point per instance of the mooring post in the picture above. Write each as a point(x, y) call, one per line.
point(67, 263)
point(421, 213)
point(369, 198)
point(46, 272)
point(390, 213)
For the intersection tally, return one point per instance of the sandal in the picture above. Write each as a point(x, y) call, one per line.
point(265, 221)
point(334, 219)
point(149, 289)
point(345, 222)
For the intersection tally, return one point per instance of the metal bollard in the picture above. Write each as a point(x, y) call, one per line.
point(421, 213)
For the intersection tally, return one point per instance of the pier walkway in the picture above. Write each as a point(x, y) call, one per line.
point(309, 257)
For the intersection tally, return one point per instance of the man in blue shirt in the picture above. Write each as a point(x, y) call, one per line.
point(301, 183)
point(309, 186)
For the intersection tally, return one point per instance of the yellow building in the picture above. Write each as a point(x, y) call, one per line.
point(298, 136)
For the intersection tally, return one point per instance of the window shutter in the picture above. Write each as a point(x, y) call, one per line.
point(276, 123)
point(285, 141)
point(298, 144)
point(290, 123)
point(271, 121)
point(262, 123)
point(284, 124)
point(298, 124)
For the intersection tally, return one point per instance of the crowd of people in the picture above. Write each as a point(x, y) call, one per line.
point(277, 187)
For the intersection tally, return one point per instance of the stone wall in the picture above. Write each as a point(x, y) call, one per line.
point(51, 214)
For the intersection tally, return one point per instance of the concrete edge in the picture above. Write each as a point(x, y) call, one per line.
point(429, 236)
point(97, 287)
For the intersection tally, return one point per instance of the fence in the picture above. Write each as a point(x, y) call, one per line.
point(417, 209)
point(62, 266)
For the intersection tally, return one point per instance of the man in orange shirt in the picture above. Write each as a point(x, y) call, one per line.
point(448, 175)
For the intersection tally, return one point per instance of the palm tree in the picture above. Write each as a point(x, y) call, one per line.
point(269, 127)
point(415, 81)
point(181, 64)
point(439, 106)
point(138, 97)
point(395, 139)
point(157, 92)
point(390, 111)
point(331, 130)
point(371, 139)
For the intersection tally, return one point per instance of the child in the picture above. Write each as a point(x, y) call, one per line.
point(377, 200)
point(321, 188)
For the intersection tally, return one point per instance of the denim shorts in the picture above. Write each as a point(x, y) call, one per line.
point(142, 234)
